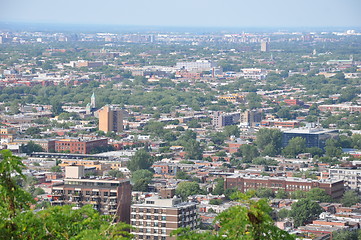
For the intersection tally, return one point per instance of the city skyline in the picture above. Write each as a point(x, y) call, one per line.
point(202, 13)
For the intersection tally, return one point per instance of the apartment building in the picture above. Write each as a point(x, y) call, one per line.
point(351, 177)
point(107, 195)
point(243, 182)
point(110, 119)
point(156, 218)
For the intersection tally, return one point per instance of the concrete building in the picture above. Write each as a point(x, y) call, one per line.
point(110, 119)
point(334, 188)
point(351, 177)
point(197, 66)
point(156, 218)
point(251, 118)
point(108, 196)
point(315, 137)
point(264, 46)
point(220, 119)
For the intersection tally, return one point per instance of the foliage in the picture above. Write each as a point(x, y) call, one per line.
point(249, 221)
point(248, 152)
point(265, 193)
point(141, 179)
point(318, 194)
point(231, 130)
point(55, 169)
point(269, 141)
point(304, 211)
point(194, 149)
point(295, 146)
point(219, 188)
point(350, 198)
point(264, 161)
point(140, 160)
point(347, 235)
point(185, 189)
point(115, 173)
point(215, 201)
point(283, 213)
point(31, 147)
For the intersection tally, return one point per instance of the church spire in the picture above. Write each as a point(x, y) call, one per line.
point(92, 101)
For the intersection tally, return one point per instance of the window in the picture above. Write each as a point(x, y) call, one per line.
point(155, 217)
point(164, 217)
point(163, 225)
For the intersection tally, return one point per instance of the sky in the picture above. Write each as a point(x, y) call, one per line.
point(186, 13)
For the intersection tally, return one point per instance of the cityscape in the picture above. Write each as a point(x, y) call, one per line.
point(165, 131)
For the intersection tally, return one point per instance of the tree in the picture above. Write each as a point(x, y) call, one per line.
point(215, 201)
point(265, 193)
point(218, 138)
point(17, 222)
point(295, 146)
point(269, 141)
point(185, 189)
point(350, 198)
point(282, 194)
point(31, 147)
point(32, 131)
point(248, 152)
point(333, 148)
point(141, 174)
point(250, 220)
point(304, 211)
point(194, 149)
point(219, 188)
point(231, 130)
point(115, 173)
point(318, 194)
point(57, 108)
point(140, 160)
point(283, 213)
point(346, 235)
point(55, 169)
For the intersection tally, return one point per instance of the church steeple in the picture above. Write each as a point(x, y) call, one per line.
point(92, 101)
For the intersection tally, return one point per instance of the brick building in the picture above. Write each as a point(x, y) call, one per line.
point(334, 188)
point(79, 146)
point(156, 218)
point(108, 196)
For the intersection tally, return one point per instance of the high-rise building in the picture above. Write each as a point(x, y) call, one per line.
point(156, 218)
point(264, 46)
point(108, 196)
point(110, 120)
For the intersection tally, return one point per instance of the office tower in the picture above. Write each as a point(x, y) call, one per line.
point(108, 196)
point(156, 218)
point(110, 120)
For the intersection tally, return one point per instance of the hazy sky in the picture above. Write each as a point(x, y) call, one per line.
point(226, 13)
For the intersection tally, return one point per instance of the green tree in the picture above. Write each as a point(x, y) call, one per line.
point(231, 130)
point(248, 152)
point(185, 189)
point(219, 188)
point(265, 193)
point(350, 198)
point(31, 147)
point(140, 160)
point(318, 194)
point(283, 213)
point(115, 173)
point(269, 141)
point(304, 211)
point(55, 169)
point(346, 235)
point(250, 220)
point(282, 194)
point(295, 146)
point(333, 148)
point(194, 149)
